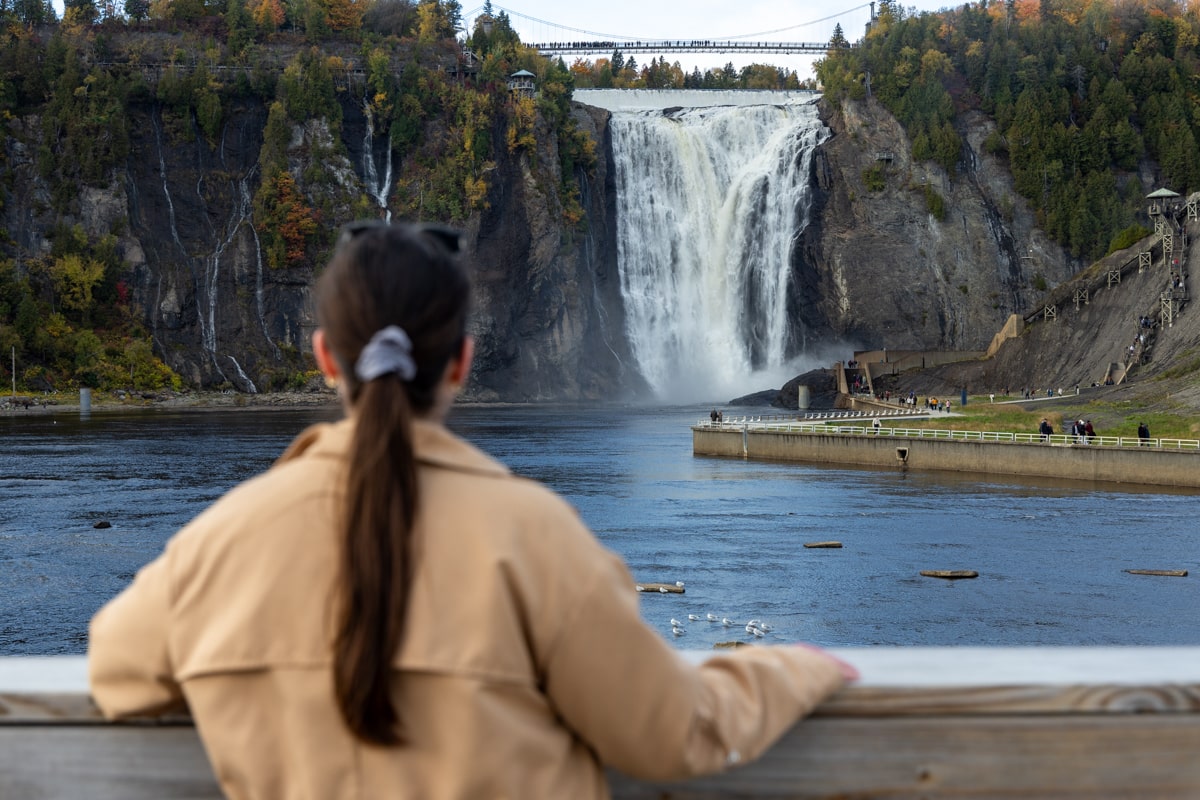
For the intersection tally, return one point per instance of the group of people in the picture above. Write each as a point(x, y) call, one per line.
point(1082, 430)
point(717, 416)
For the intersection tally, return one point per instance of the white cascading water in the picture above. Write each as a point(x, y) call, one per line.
point(711, 201)
point(378, 190)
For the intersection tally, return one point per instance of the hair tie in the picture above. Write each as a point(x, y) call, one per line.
point(389, 351)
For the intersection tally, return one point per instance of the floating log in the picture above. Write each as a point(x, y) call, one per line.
point(730, 645)
point(662, 588)
point(1169, 573)
point(950, 574)
point(822, 544)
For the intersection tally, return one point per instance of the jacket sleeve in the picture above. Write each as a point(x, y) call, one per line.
point(649, 713)
point(128, 663)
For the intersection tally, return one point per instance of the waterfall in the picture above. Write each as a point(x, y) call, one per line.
point(378, 190)
point(710, 204)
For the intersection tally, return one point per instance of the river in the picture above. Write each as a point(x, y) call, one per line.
point(1050, 556)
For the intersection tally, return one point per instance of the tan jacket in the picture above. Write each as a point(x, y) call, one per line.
point(525, 664)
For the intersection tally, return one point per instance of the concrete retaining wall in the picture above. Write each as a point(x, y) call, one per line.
point(1141, 465)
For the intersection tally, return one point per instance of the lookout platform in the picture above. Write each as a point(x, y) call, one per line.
point(922, 723)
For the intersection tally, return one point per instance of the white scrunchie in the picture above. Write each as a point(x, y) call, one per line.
point(389, 351)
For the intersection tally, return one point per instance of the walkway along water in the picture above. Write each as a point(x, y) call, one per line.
point(1160, 462)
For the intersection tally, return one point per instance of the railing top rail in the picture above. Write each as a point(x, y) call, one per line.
point(854, 426)
point(880, 667)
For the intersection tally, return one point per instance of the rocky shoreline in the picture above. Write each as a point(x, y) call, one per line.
point(18, 405)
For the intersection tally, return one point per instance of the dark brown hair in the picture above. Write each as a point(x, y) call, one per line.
point(381, 275)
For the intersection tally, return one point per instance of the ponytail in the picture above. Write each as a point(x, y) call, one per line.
point(381, 276)
point(380, 504)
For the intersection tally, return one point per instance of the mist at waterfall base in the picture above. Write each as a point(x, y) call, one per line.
point(1051, 557)
point(713, 192)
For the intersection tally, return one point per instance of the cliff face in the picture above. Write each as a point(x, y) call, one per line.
point(548, 323)
point(875, 268)
point(547, 306)
point(878, 268)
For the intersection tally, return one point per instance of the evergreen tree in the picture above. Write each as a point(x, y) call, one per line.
point(838, 40)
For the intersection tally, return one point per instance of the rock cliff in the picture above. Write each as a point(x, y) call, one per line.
point(899, 254)
point(547, 307)
point(905, 256)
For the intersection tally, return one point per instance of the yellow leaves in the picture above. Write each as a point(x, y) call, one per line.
point(344, 14)
point(267, 14)
point(475, 190)
point(520, 125)
point(57, 327)
point(74, 279)
point(935, 62)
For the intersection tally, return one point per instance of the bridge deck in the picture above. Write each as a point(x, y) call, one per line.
point(702, 46)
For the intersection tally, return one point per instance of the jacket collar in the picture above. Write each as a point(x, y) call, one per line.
point(433, 443)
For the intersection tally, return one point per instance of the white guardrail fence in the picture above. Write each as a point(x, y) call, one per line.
point(791, 424)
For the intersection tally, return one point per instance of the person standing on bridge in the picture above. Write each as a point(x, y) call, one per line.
point(389, 610)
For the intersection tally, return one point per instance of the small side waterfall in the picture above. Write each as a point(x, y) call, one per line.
point(710, 204)
point(379, 190)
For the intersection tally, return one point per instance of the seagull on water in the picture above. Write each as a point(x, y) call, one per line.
point(711, 617)
point(694, 617)
point(726, 621)
point(678, 631)
point(676, 623)
point(755, 631)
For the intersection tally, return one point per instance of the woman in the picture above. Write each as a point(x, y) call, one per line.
point(388, 612)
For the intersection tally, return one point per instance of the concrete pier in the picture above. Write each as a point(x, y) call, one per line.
point(1156, 462)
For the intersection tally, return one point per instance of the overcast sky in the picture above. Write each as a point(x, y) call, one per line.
point(806, 21)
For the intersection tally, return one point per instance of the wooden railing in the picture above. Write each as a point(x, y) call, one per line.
point(923, 722)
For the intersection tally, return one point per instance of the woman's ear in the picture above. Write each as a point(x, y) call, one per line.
point(460, 367)
point(324, 356)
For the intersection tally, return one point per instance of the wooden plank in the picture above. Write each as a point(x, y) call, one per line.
point(1045, 757)
point(923, 722)
point(661, 588)
point(1169, 573)
point(950, 574)
point(823, 544)
point(106, 762)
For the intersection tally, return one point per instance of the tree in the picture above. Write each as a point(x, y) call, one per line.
point(137, 10)
point(74, 279)
point(268, 15)
point(433, 22)
point(33, 12)
point(838, 40)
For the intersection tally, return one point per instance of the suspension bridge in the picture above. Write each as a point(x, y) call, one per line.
point(556, 39)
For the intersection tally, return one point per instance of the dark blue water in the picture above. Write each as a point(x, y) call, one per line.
point(1051, 557)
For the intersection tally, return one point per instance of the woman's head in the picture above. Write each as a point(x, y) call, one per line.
point(392, 308)
point(402, 276)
